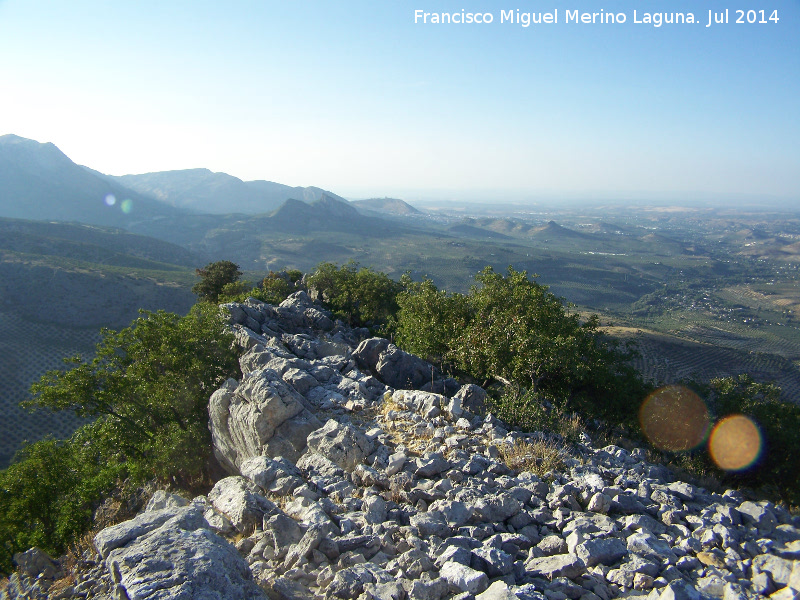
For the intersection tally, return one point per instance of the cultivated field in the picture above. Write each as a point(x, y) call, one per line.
point(29, 349)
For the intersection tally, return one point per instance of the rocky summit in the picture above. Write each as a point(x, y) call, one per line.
point(357, 471)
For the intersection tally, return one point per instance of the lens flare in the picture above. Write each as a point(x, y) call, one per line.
point(674, 418)
point(126, 206)
point(110, 200)
point(735, 443)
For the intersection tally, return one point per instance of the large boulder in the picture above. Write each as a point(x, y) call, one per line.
point(262, 415)
point(342, 444)
point(240, 500)
point(394, 367)
point(472, 398)
point(171, 554)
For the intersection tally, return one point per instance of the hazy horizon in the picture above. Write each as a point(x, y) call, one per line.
point(359, 99)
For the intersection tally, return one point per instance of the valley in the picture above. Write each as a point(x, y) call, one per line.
point(704, 290)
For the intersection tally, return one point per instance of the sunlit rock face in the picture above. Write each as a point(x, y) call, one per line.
point(401, 494)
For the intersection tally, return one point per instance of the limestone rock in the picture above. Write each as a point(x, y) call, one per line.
point(179, 559)
point(342, 444)
point(241, 501)
point(558, 565)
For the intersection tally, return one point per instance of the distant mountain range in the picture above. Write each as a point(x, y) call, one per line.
point(392, 206)
point(38, 181)
point(203, 191)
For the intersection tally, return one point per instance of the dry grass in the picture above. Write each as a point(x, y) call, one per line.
point(398, 485)
point(62, 584)
point(389, 404)
point(405, 432)
point(570, 426)
point(538, 456)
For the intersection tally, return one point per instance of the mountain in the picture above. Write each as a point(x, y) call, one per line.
point(207, 192)
point(39, 181)
point(555, 231)
point(392, 206)
point(323, 439)
point(504, 225)
point(468, 230)
point(326, 214)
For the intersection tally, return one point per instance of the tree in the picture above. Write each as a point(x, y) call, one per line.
point(512, 329)
point(359, 296)
point(150, 383)
point(147, 389)
point(429, 320)
point(213, 279)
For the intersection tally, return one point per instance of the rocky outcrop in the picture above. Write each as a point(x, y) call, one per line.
point(394, 367)
point(173, 553)
point(403, 494)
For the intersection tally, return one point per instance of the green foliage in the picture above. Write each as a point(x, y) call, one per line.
point(513, 329)
point(779, 423)
point(274, 288)
point(231, 292)
point(527, 410)
point(279, 285)
point(151, 381)
point(48, 495)
point(213, 279)
point(148, 388)
point(360, 296)
point(429, 320)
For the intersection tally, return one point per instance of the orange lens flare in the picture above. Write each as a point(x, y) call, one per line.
point(735, 443)
point(674, 418)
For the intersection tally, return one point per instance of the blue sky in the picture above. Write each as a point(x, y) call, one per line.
point(357, 98)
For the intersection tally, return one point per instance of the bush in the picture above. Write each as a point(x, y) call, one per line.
point(213, 279)
point(148, 388)
point(360, 296)
point(151, 382)
point(512, 329)
point(529, 411)
point(429, 320)
point(778, 465)
point(274, 288)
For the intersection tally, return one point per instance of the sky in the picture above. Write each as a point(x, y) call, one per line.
point(358, 98)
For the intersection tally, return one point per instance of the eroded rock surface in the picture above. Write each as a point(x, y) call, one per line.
point(383, 493)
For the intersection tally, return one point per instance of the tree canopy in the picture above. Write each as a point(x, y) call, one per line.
point(147, 388)
point(511, 328)
point(213, 279)
point(359, 296)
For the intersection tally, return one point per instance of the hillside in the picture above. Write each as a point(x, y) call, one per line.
point(38, 180)
point(467, 230)
point(203, 191)
point(365, 484)
point(391, 206)
point(60, 283)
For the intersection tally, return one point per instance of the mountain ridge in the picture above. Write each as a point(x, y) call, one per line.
point(209, 192)
point(39, 179)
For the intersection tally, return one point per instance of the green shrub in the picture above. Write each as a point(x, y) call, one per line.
point(273, 289)
point(147, 389)
point(512, 329)
point(213, 279)
point(359, 296)
point(778, 465)
point(151, 381)
point(429, 320)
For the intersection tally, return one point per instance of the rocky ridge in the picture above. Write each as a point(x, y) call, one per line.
point(355, 470)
